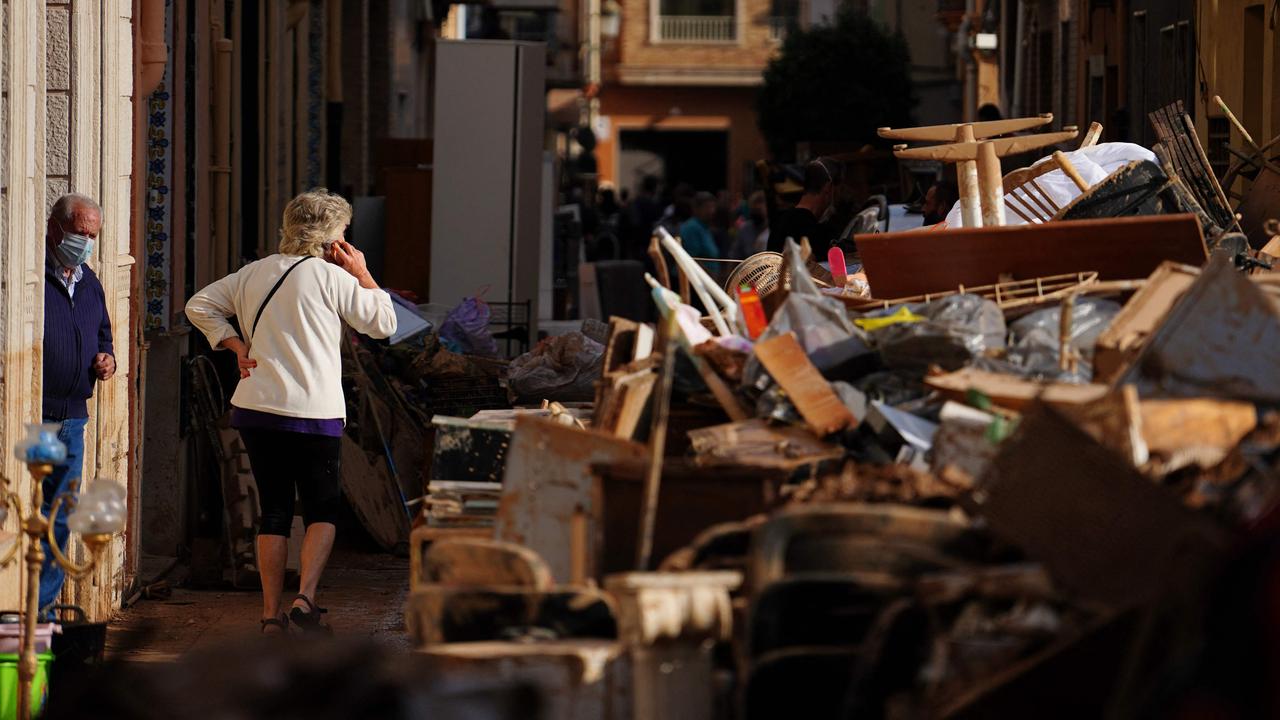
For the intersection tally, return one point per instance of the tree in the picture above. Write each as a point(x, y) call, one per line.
point(836, 82)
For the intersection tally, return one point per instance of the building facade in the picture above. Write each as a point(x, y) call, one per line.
point(68, 125)
point(680, 81)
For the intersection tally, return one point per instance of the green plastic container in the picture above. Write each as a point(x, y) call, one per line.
point(9, 684)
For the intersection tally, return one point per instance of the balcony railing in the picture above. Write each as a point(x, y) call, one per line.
point(697, 28)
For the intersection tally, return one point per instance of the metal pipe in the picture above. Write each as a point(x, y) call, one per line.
point(593, 61)
point(220, 171)
point(1019, 68)
point(153, 52)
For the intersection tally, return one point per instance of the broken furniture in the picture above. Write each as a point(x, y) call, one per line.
point(469, 590)
point(1261, 202)
point(1181, 143)
point(1140, 188)
point(690, 499)
point(906, 264)
point(1222, 310)
point(548, 502)
point(669, 623)
point(490, 608)
point(978, 156)
point(1027, 199)
point(1104, 531)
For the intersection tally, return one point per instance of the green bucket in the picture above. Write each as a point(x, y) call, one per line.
point(9, 684)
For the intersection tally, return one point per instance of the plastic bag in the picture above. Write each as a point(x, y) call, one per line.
point(563, 368)
point(955, 330)
point(466, 329)
point(1035, 344)
point(817, 320)
point(1093, 163)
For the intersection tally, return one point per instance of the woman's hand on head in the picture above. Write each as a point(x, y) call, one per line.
point(346, 256)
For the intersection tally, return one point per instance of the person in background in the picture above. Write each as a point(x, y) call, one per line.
point(77, 354)
point(753, 233)
point(289, 405)
point(646, 210)
point(938, 201)
point(805, 219)
point(695, 233)
point(680, 209)
point(723, 223)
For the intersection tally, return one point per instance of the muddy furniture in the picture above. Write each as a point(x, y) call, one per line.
point(972, 147)
point(1025, 197)
point(1139, 188)
point(833, 629)
point(669, 624)
point(1179, 140)
point(906, 264)
point(691, 499)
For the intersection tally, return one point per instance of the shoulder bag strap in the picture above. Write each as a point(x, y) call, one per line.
point(272, 294)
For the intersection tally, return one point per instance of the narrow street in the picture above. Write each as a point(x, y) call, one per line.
point(364, 592)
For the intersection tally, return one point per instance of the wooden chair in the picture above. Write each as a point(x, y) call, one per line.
point(1177, 133)
point(1092, 136)
point(1029, 201)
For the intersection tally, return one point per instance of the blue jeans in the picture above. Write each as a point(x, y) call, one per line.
point(61, 480)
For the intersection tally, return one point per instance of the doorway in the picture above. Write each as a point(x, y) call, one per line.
point(697, 157)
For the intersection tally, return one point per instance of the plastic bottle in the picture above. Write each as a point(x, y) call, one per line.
point(752, 310)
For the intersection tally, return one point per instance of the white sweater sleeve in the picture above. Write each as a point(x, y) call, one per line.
point(367, 311)
point(210, 309)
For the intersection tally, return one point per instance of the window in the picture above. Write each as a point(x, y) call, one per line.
point(696, 21)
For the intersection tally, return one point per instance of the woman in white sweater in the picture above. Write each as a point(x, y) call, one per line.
point(289, 406)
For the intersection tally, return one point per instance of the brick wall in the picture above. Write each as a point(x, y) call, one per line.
point(752, 51)
point(57, 147)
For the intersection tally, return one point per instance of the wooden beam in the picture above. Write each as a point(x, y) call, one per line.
point(941, 133)
point(956, 152)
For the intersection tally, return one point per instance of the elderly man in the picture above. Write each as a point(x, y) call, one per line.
point(77, 351)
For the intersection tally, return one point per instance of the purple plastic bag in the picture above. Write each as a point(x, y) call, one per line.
point(466, 329)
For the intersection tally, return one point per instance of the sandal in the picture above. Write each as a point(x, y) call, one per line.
point(281, 622)
point(309, 620)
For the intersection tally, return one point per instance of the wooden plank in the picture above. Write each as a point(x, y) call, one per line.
point(787, 362)
point(912, 263)
point(969, 151)
point(942, 133)
point(1174, 425)
point(657, 442)
point(1115, 420)
point(548, 477)
point(1215, 342)
point(1013, 393)
point(373, 495)
point(1139, 317)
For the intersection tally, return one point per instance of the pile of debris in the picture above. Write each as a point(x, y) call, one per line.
point(1011, 490)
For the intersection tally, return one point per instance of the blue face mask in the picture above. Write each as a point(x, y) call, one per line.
point(74, 250)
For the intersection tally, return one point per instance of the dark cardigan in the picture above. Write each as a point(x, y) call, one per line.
point(75, 330)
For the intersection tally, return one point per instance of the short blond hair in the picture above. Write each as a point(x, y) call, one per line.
point(311, 220)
